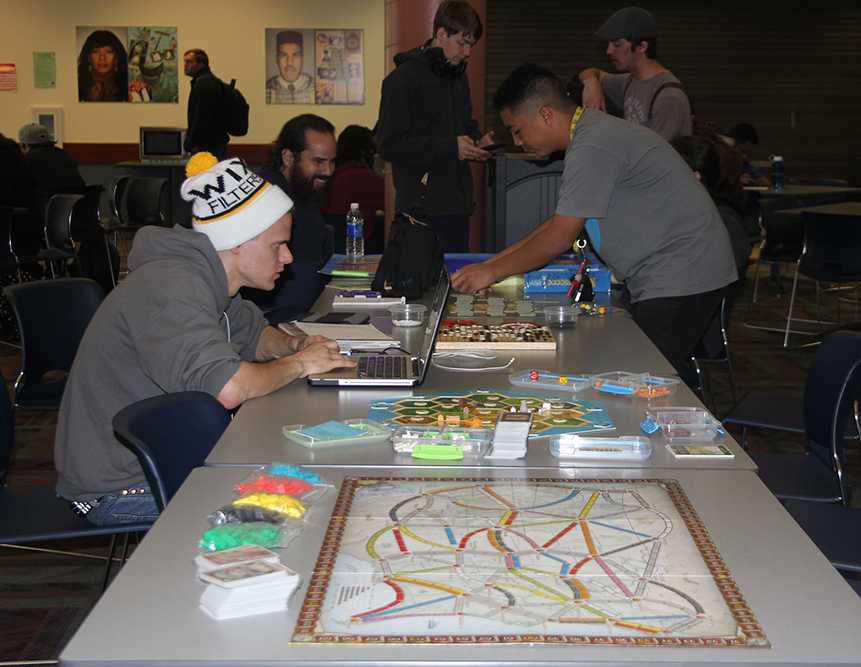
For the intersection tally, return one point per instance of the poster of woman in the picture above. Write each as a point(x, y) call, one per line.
point(102, 65)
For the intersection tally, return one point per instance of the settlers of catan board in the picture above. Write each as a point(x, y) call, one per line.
point(533, 561)
point(481, 409)
point(466, 334)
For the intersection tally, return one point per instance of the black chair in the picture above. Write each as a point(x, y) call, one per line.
point(832, 254)
point(59, 250)
point(826, 413)
point(834, 529)
point(713, 350)
point(171, 435)
point(138, 201)
point(35, 514)
point(95, 257)
point(52, 316)
point(782, 239)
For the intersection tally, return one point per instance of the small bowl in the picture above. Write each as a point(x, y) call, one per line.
point(408, 314)
point(560, 317)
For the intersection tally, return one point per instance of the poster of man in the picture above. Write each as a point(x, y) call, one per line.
point(127, 64)
point(153, 65)
point(289, 66)
point(103, 74)
point(340, 67)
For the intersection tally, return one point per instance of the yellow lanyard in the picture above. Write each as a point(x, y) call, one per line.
point(578, 244)
point(574, 120)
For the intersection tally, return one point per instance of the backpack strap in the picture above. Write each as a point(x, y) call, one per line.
point(668, 84)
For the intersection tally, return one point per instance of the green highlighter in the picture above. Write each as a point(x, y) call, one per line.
point(438, 452)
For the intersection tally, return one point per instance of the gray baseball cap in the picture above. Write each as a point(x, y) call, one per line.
point(629, 22)
point(34, 134)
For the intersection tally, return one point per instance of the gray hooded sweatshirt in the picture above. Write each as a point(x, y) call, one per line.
point(169, 326)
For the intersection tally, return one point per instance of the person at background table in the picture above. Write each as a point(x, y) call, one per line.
point(301, 162)
point(426, 129)
point(660, 230)
point(16, 189)
point(103, 74)
point(647, 91)
point(745, 137)
point(177, 323)
point(207, 107)
point(49, 168)
point(355, 180)
point(291, 85)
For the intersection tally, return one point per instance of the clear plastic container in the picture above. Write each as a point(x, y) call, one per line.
point(363, 432)
point(560, 317)
point(684, 424)
point(621, 448)
point(535, 379)
point(474, 442)
point(408, 314)
point(635, 385)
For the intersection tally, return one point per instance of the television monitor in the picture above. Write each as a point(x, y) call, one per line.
point(162, 144)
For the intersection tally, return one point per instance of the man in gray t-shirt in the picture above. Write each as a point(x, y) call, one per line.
point(660, 230)
point(648, 92)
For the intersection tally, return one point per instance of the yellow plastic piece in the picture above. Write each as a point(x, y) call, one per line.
point(277, 502)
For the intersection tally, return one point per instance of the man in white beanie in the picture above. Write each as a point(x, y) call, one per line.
point(177, 323)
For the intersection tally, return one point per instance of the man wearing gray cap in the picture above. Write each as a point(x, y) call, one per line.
point(51, 169)
point(647, 91)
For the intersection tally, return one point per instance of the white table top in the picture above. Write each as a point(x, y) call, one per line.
point(150, 615)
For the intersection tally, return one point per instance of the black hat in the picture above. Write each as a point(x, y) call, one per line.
point(629, 22)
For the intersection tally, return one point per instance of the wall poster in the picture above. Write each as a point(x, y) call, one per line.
point(127, 64)
point(305, 66)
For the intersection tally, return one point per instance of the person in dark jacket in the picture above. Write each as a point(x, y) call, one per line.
point(426, 129)
point(207, 115)
point(50, 169)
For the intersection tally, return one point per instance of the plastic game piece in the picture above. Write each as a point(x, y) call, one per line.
point(292, 486)
point(438, 452)
point(289, 470)
point(249, 514)
point(622, 448)
point(470, 441)
point(237, 534)
point(563, 379)
point(276, 502)
point(642, 385)
point(533, 375)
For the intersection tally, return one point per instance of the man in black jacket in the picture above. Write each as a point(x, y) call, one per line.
point(426, 129)
point(207, 112)
point(50, 169)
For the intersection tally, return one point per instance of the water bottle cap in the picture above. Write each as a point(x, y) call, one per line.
point(354, 206)
point(776, 158)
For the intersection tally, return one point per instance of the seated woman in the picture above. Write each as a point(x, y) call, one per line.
point(355, 180)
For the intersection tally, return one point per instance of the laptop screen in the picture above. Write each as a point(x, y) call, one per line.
point(161, 143)
point(437, 310)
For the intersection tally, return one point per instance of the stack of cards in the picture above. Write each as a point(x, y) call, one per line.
point(244, 581)
point(510, 435)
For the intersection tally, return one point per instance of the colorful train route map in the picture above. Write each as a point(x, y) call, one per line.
point(553, 561)
point(480, 409)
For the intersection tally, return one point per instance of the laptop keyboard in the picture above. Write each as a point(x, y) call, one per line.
point(383, 366)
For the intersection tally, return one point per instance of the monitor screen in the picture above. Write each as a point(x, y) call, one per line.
point(161, 143)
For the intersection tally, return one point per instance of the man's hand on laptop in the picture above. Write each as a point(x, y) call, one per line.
point(320, 356)
point(305, 341)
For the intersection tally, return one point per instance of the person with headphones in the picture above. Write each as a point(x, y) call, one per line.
point(426, 129)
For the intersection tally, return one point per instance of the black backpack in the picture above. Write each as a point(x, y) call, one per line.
point(236, 110)
point(412, 260)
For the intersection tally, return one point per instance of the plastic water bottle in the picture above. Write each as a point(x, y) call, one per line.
point(777, 173)
point(355, 233)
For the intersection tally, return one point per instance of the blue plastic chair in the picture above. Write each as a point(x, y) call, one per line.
point(171, 435)
point(824, 413)
point(36, 514)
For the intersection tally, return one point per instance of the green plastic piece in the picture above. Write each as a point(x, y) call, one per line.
point(438, 452)
point(236, 534)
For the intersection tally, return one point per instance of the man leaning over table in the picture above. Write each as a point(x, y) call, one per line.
point(660, 230)
point(177, 323)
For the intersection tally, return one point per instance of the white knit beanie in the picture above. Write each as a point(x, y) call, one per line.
point(230, 203)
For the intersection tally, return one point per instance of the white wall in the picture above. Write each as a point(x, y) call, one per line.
point(231, 32)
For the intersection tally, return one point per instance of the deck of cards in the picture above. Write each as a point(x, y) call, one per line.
point(244, 581)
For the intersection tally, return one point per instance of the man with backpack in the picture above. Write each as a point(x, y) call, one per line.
point(647, 91)
point(215, 110)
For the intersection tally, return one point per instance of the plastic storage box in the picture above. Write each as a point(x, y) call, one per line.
point(622, 448)
point(683, 424)
point(535, 379)
point(638, 385)
point(473, 442)
point(336, 434)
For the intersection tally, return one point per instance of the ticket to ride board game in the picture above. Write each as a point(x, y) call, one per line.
point(421, 560)
point(481, 409)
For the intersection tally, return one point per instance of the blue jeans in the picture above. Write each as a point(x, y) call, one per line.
point(116, 508)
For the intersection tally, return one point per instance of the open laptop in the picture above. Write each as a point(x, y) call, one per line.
point(395, 368)
point(162, 145)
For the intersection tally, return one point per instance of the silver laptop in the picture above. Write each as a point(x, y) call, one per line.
point(395, 368)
